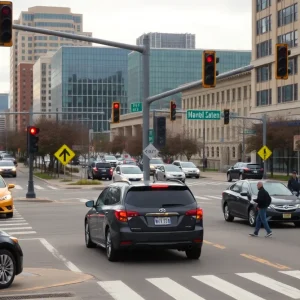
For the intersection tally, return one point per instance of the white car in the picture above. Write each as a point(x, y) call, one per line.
point(169, 172)
point(127, 172)
point(189, 168)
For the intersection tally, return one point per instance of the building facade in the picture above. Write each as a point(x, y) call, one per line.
point(4, 101)
point(169, 40)
point(28, 46)
point(274, 22)
point(170, 68)
point(89, 79)
point(42, 86)
point(223, 144)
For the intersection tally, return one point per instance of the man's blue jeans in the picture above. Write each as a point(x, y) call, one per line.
point(262, 219)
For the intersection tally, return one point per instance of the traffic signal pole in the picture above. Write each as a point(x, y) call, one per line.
point(30, 189)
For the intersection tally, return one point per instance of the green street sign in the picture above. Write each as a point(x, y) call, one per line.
point(151, 136)
point(203, 114)
point(249, 131)
point(136, 107)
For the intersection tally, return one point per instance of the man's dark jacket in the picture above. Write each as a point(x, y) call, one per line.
point(263, 198)
point(293, 184)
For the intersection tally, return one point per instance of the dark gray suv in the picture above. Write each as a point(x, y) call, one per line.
point(145, 216)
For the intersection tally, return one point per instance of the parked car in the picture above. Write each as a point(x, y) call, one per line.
point(155, 163)
point(237, 202)
point(99, 170)
point(127, 172)
point(9, 157)
point(169, 172)
point(111, 159)
point(7, 168)
point(243, 170)
point(189, 168)
point(11, 262)
point(145, 216)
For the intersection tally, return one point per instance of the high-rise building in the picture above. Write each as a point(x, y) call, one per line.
point(169, 40)
point(4, 98)
point(274, 22)
point(89, 79)
point(170, 68)
point(28, 46)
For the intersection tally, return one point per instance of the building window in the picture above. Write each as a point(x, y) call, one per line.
point(287, 93)
point(263, 25)
point(264, 73)
point(264, 97)
point(262, 4)
point(228, 96)
point(233, 152)
point(264, 49)
point(222, 96)
point(239, 96)
point(291, 38)
point(233, 94)
point(212, 99)
point(245, 92)
point(293, 65)
point(218, 151)
point(288, 15)
point(212, 152)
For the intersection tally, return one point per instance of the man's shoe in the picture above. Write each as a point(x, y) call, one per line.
point(269, 234)
point(253, 234)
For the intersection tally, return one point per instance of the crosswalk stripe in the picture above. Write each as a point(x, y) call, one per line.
point(52, 187)
point(14, 224)
point(119, 290)
point(227, 288)
point(14, 228)
point(13, 220)
point(83, 200)
point(295, 274)
point(22, 232)
point(213, 197)
point(173, 289)
point(272, 284)
point(201, 198)
point(38, 187)
point(17, 219)
point(18, 187)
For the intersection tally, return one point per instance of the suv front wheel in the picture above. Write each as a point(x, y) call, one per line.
point(193, 253)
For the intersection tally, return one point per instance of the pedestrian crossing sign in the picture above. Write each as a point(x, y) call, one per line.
point(264, 153)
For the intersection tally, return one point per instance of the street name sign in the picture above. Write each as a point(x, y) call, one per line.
point(151, 151)
point(151, 136)
point(203, 114)
point(136, 107)
point(264, 153)
point(64, 154)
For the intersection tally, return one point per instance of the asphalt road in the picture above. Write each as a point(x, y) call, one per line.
point(232, 266)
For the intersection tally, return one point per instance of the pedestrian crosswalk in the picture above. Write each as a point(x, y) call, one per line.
point(208, 198)
point(37, 187)
point(200, 183)
point(15, 226)
point(259, 287)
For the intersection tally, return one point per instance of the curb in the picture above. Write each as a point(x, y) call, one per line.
point(36, 200)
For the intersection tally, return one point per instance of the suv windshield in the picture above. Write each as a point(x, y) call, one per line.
point(188, 165)
point(156, 161)
point(103, 165)
point(110, 158)
point(159, 198)
point(131, 170)
point(172, 168)
point(6, 163)
point(273, 188)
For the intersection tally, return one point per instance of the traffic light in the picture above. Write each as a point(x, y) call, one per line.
point(226, 116)
point(172, 110)
point(282, 61)
point(6, 21)
point(209, 69)
point(116, 108)
point(159, 132)
point(32, 139)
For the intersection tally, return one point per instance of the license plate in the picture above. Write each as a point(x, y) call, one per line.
point(287, 216)
point(162, 221)
point(103, 170)
point(254, 171)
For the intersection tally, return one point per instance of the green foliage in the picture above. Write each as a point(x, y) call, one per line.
point(86, 182)
point(72, 169)
point(43, 175)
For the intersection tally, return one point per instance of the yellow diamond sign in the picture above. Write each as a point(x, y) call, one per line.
point(264, 153)
point(64, 154)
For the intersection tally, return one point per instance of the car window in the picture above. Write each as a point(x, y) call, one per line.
point(103, 165)
point(237, 187)
point(172, 168)
point(117, 169)
point(253, 166)
point(113, 196)
point(131, 170)
point(245, 187)
point(101, 198)
point(188, 165)
point(110, 157)
point(2, 183)
point(156, 161)
point(273, 188)
point(6, 163)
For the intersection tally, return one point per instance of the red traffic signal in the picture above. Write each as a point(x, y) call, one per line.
point(6, 10)
point(34, 130)
point(209, 59)
point(173, 105)
point(116, 105)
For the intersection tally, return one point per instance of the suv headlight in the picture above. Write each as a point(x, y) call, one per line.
point(14, 169)
point(297, 205)
point(6, 197)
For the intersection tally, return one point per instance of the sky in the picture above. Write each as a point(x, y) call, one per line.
point(218, 24)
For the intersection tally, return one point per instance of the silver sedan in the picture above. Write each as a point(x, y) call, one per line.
point(169, 172)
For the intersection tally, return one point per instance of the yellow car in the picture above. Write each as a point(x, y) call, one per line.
point(6, 199)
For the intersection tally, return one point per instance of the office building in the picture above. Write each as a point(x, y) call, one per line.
point(28, 47)
point(170, 68)
point(89, 79)
point(274, 22)
point(4, 98)
point(169, 40)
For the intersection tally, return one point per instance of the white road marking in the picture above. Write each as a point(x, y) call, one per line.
point(38, 187)
point(119, 290)
point(52, 187)
point(295, 273)
point(13, 220)
point(173, 289)
point(227, 288)
point(84, 200)
point(18, 187)
point(56, 254)
point(13, 224)
point(213, 197)
point(22, 232)
point(14, 228)
point(202, 198)
point(272, 284)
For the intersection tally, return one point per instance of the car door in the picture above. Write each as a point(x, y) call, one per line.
point(112, 197)
point(160, 173)
point(234, 196)
point(95, 230)
point(235, 171)
point(244, 201)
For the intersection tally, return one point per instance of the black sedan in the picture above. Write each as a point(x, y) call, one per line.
point(243, 170)
point(237, 201)
point(11, 259)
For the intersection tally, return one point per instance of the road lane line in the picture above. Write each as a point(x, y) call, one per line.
point(214, 245)
point(14, 228)
point(227, 288)
point(84, 200)
point(265, 262)
point(38, 187)
point(22, 232)
point(56, 254)
point(295, 273)
point(119, 290)
point(52, 187)
point(17, 218)
point(18, 187)
point(174, 289)
point(213, 197)
point(272, 284)
point(202, 198)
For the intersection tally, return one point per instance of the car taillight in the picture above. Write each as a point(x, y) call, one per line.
point(95, 169)
point(198, 213)
point(123, 215)
point(158, 186)
point(261, 169)
point(246, 169)
point(111, 170)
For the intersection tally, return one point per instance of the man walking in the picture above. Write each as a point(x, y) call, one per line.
point(293, 183)
point(263, 201)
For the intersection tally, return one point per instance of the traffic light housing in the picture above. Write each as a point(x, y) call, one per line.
point(226, 116)
point(172, 110)
point(116, 109)
point(160, 130)
point(6, 22)
point(209, 68)
point(32, 139)
point(282, 61)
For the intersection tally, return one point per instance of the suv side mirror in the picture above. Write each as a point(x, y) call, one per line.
point(90, 203)
point(244, 194)
point(232, 168)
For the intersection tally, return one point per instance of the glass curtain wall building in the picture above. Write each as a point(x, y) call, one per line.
point(170, 68)
point(89, 79)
